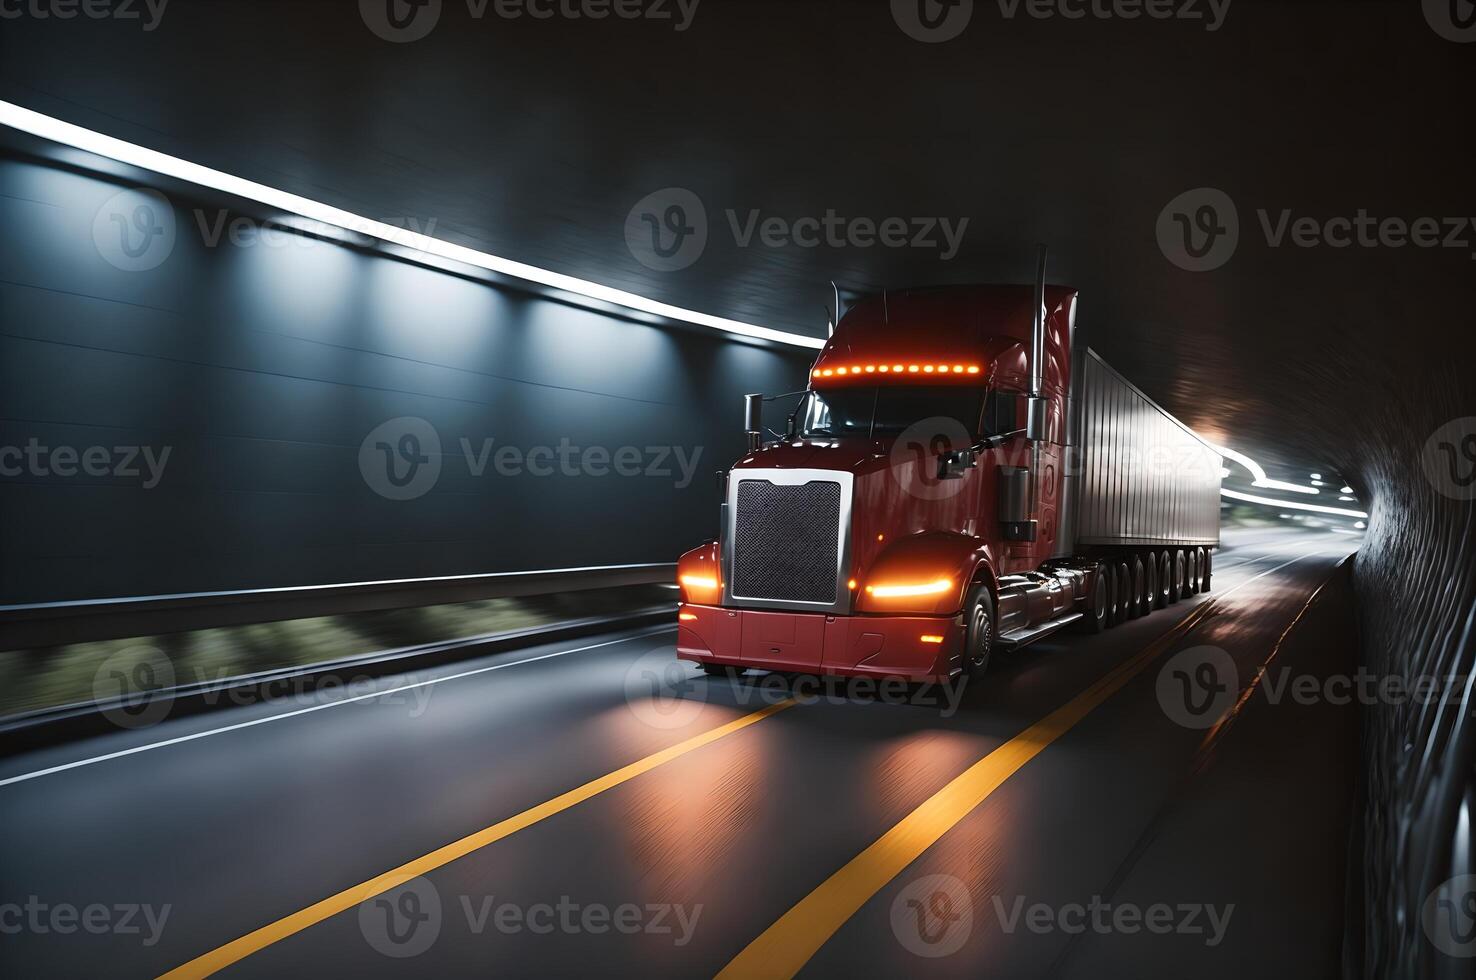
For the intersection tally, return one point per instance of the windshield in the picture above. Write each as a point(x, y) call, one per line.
point(884, 411)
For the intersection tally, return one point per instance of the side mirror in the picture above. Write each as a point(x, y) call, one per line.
point(951, 466)
point(753, 420)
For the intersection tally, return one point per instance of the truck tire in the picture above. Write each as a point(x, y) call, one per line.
point(1207, 569)
point(1194, 571)
point(1176, 576)
point(1097, 602)
point(1140, 590)
point(979, 638)
point(1124, 592)
point(1150, 581)
point(1109, 578)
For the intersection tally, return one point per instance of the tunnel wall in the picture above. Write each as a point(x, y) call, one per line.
point(283, 375)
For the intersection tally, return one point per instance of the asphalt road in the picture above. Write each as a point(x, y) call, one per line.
point(593, 807)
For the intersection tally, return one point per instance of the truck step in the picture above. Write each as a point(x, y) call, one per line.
point(1018, 638)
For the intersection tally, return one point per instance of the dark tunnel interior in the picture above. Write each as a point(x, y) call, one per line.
point(1329, 330)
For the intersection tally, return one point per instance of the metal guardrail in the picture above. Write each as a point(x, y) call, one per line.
point(52, 623)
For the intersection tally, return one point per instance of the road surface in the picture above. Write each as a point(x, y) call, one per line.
point(589, 807)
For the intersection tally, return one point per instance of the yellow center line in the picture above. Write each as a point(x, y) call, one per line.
point(787, 945)
point(239, 949)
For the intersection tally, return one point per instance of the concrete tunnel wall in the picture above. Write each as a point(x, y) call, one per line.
point(262, 368)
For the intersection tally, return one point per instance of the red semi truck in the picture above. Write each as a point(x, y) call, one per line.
point(961, 475)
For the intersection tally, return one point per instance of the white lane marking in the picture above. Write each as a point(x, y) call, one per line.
point(318, 707)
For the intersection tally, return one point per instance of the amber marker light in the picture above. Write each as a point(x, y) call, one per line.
point(686, 617)
point(931, 638)
point(904, 589)
point(851, 585)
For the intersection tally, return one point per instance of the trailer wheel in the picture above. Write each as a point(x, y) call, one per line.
point(1165, 572)
point(1206, 569)
point(1150, 583)
point(1124, 592)
point(1196, 556)
point(1140, 599)
point(979, 640)
point(1176, 575)
point(1096, 611)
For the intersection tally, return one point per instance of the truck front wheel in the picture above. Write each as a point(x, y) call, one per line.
point(979, 641)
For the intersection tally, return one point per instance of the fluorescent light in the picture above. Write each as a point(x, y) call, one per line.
point(1346, 490)
point(67, 134)
point(1256, 471)
point(1290, 504)
point(1316, 476)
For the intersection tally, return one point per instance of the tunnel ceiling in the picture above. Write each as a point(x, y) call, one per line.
point(534, 139)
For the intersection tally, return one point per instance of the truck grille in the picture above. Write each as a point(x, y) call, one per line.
point(785, 540)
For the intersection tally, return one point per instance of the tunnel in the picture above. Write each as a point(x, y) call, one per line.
point(420, 360)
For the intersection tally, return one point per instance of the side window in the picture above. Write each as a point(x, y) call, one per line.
point(999, 413)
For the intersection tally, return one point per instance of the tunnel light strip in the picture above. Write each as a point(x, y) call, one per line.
point(1260, 474)
point(47, 127)
point(1290, 504)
